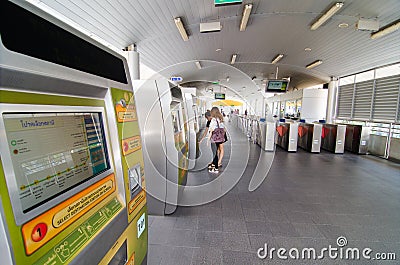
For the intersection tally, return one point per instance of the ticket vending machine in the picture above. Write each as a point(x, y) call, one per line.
point(72, 183)
point(164, 126)
point(191, 128)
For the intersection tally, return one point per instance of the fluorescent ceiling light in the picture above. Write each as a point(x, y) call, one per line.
point(197, 63)
point(335, 8)
point(233, 60)
point(314, 64)
point(386, 31)
point(277, 58)
point(245, 16)
point(182, 31)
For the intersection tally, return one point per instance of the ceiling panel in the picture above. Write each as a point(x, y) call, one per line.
point(274, 27)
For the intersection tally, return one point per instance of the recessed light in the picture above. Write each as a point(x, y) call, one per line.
point(343, 25)
point(307, 49)
point(218, 50)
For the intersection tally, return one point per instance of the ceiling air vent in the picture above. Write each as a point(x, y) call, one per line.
point(367, 25)
point(210, 27)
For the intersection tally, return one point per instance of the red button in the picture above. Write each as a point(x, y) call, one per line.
point(39, 232)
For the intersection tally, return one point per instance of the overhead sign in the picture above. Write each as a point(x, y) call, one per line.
point(176, 79)
point(219, 95)
point(227, 2)
point(276, 86)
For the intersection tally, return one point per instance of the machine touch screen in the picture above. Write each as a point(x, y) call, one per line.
point(54, 152)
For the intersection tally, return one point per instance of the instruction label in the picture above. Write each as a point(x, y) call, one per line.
point(138, 200)
point(131, 144)
point(80, 205)
point(70, 245)
point(58, 218)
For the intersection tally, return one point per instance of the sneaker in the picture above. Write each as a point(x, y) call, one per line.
point(214, 170)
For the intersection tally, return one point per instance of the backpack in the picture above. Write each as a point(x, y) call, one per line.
point(218, 135)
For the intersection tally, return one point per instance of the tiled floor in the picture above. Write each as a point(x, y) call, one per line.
point(307, 200)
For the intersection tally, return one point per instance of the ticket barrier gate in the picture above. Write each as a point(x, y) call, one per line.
point(357, 138)
point(266, 135)
point(310, 137)
point(333, 138)
point(286, 136)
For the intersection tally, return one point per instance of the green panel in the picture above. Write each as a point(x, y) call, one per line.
point(41, 99)
point(138, 245)
point(128, 129)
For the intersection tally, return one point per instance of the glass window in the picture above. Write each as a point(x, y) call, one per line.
point(388, 71)
point(346, 80)
point(365, 76)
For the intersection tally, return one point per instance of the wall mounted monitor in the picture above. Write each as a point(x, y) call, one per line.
point(219, 96)
point(276, 86)
point(50, 154)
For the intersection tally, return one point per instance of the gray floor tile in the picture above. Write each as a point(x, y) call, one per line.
point(186, 223)
point(235, 212)
point(300, 217)
point(208, 211)
point(254, 215)
point(177, 256)
point(250, 204)
point(207, 256)
point(282, 229)
point(209, 223)
point(240, 258)
point(258, 241)
point(307, 230)
point(158, 235)
point(234, 225)
point(331, 231)
point(154, 256)
point(182, 238)
point(276, 216)
point(166, 222)
point(321, 219)
point(307, 200)
point(209, 239)
point(257, 227)
point(236, 242)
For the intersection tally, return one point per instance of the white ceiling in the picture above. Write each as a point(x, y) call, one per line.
point(275, 26)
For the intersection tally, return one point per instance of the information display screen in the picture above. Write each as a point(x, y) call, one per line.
point(220, 96)
point(276, 86)
point(54, 152)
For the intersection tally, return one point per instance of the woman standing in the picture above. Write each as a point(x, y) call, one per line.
point(217, 121)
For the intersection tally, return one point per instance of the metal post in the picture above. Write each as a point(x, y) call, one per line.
point(353, 99)
point(331, 106)
point(132, 57)
point(389, 138)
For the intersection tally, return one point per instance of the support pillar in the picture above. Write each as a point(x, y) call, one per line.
point(332, 94)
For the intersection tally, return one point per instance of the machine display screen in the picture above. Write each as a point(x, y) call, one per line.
point(54, 152)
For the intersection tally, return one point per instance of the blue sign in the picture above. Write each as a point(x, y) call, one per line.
point(176, 79)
